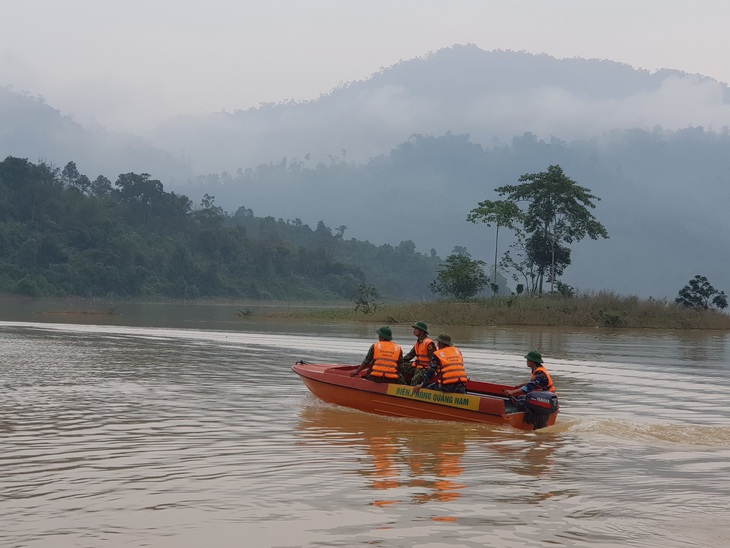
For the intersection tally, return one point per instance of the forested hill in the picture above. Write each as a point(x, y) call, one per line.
point(62, 233)
point(663, 199)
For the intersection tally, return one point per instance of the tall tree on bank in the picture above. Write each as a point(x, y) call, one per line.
point(500, 213)
point(557, 214)
point(699, 293)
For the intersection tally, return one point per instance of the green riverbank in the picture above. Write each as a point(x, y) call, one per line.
point(601, 310)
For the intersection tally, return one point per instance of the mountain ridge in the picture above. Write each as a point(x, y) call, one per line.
point(490, 95)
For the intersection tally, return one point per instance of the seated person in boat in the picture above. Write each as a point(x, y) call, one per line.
point(384, 360)
point(540, 379)
point(447, 366)
point(422, 351)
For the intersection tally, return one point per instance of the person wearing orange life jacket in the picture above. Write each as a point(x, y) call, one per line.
point(422, 351)
point(384, 359)
point(447, 364)
point(540, 379)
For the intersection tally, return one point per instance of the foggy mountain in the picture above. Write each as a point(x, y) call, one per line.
point(405, 154)
point(492, 96)
point(32, 129)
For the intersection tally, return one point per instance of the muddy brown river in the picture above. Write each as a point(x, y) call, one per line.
point(184, 426)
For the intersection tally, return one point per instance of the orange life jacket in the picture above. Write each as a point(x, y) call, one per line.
point(452, 365)
point(385, 360)
point(423, 360)
point(542, 370)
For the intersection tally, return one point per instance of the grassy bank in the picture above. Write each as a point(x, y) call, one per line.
point(595, 310)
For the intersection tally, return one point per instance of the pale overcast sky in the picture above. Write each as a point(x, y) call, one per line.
point(128, 64)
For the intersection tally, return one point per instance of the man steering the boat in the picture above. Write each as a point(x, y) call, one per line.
point(540, 379)
point(384, 360)
point(447, 365)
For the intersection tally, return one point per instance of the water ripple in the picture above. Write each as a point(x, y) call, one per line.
point(123, 436)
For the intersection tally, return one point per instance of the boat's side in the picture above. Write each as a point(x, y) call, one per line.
point(334, 385)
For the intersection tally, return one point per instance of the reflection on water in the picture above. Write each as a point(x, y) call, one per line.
point(123, 435)
point(423, 456)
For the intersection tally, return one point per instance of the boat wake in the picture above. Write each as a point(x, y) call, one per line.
point(649, 433)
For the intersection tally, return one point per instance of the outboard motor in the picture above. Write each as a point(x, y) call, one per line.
point(539, 405)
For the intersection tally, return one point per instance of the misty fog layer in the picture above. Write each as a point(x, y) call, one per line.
point(662, 195)
point(492, 96)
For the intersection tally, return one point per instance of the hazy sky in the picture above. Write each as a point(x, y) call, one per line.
point(128, 64)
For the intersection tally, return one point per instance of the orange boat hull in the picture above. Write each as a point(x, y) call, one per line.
point(483, 402)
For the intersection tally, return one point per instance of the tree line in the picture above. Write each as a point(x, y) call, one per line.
point(63, 234)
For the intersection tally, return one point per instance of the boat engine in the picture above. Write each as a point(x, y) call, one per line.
point(539, 405)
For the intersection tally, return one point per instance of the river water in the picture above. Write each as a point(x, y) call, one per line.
point(184, 426)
